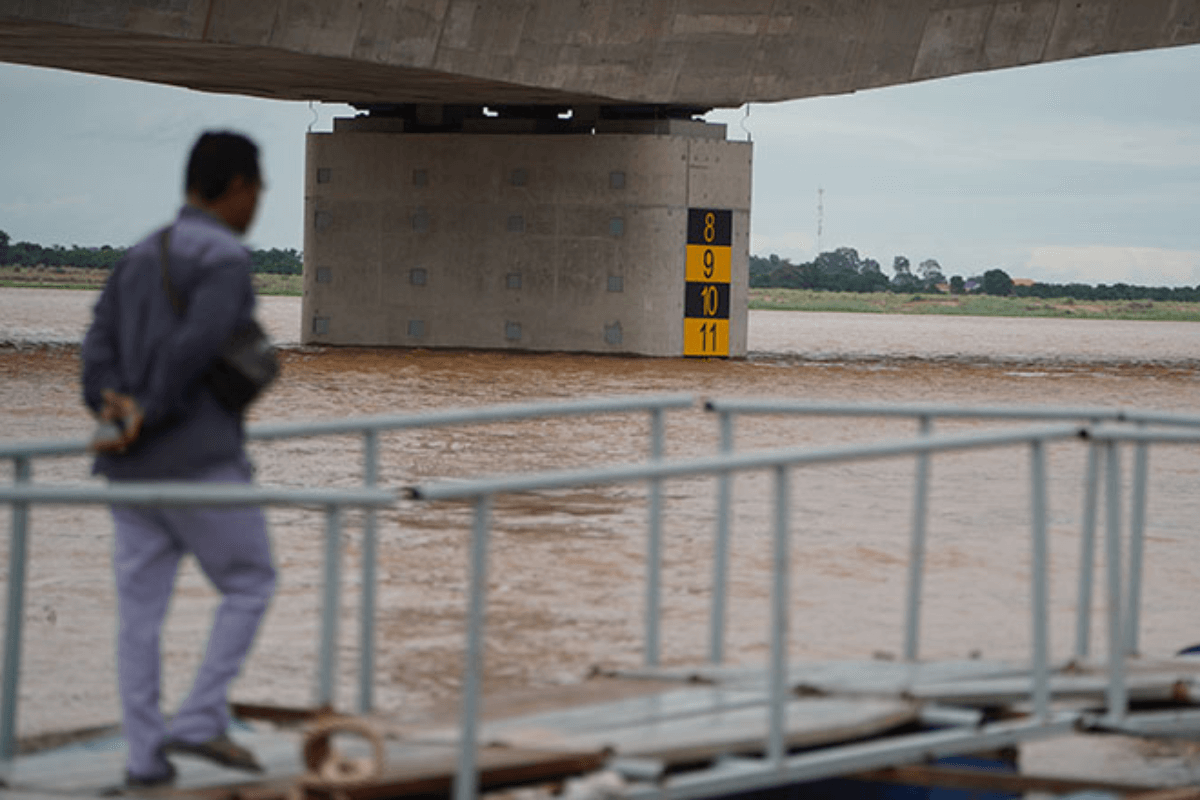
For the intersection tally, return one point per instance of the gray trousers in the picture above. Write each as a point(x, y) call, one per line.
point(233, 551)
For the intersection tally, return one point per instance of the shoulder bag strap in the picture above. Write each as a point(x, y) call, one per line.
point(164, 245)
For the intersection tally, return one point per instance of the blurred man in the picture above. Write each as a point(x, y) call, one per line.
point(144, 358)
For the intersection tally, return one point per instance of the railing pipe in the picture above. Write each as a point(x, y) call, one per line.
point(330, 609)
point(515, 412)
point(916, 561)
point(654, 545)
point(263, 431)
point(780, 592)
point(939, 410)
point(469, 416)
point(1117, 697)
point(1137, 536)
point(716, 638)
point(737, 462)
point(466, 779)
point(1087, 552)
point(934, 410)
point(1104, 434)
point(370, 548)
point(42, 448)
point(1161, 418)
point(1039, 594)
point(178, 494)
point(14, 615)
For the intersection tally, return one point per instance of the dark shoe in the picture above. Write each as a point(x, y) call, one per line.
point(219, 750)
point(136, 783)
point(142, 782)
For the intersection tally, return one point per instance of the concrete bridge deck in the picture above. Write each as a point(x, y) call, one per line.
point(601, 52)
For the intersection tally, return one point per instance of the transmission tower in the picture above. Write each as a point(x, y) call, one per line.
point(820, 216)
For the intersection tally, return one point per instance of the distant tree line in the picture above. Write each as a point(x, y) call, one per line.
point(28, 254)
point(843, 270)
point(277, 262)
point(1115, 291)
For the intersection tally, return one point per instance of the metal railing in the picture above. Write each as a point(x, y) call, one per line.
point(23, 493)
point(925, 414)
point(370, 428)
point(778, 766)
point(780, 463)
point(1103, 439)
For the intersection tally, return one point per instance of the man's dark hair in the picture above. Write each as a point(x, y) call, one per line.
point(216, 158)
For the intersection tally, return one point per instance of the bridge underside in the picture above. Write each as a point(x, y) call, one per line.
point(655, 52)
point(256, 70)
point(584, 209)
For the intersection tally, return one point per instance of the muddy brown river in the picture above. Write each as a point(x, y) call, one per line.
point(567, 571)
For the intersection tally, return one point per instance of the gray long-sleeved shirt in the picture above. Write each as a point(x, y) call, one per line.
point(138, 345)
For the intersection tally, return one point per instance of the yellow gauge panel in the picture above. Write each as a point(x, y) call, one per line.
point(706, 337)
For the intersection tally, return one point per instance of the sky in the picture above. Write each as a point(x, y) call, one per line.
point(1086, 170)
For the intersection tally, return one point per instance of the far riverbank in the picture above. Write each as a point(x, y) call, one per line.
point(972, 305)
point(83, 278)
point(975, 305)
point(39, 317)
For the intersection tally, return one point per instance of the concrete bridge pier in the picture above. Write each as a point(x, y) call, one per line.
point(584, 230)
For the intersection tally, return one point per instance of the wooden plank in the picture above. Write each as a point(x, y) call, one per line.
point(1181, 793)
point(498, 767)
point(412, 768)
point(91, 767)
point(1182, 665)
point(595, 690)
point(676, 704)
point(992, 780)
point(857, 676)
point(894, 677)
point(1180, 723)
point(279, 715)
point(809, 722)
point(1142, 687)
point(75, 768)
point(28, 745)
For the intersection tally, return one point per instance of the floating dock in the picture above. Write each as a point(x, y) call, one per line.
point(665, 730)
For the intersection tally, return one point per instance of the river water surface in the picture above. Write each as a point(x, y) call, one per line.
point(567, 572)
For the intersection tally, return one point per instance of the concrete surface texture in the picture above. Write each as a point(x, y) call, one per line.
point(533, 242)
point(685, 52)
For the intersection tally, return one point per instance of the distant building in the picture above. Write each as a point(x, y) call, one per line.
point(1023, 281)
